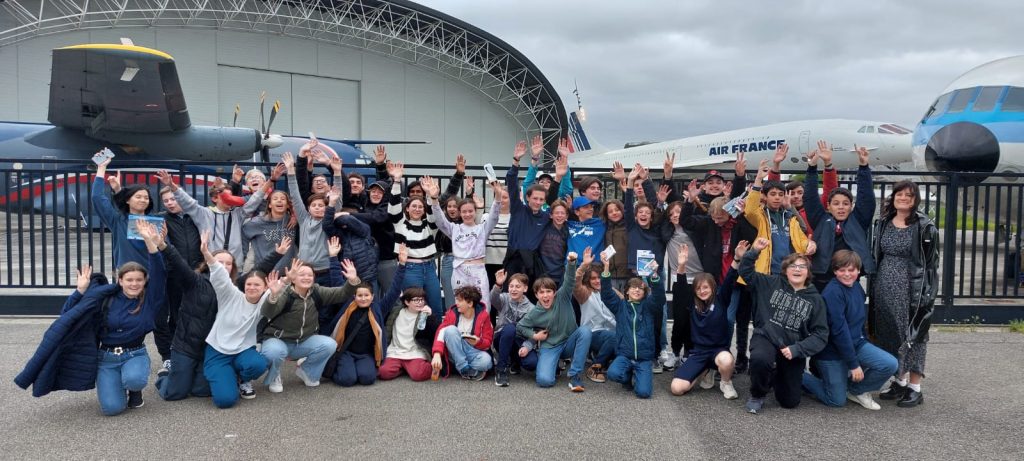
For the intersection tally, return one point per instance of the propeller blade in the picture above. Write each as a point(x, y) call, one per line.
point(263, 97)
point(265, 154)
point(234, 122)
point(273, 113)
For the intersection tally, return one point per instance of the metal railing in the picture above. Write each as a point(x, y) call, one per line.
point(52, 229)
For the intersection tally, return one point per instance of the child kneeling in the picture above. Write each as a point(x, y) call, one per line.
point(465, 335)
point(711, 315)
point(412, 333)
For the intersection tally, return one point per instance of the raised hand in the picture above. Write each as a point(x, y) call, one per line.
point(430, 187)
point(634, 173)
point(519, 151)
point(333, 246)
point(684, 254)
point(497, 189)
point(380, 155)
point(333, 195)
point(468, 186)
point(396, 170)
point(275, 283)
point(284, 245)
point(237, 173)
point(780, 154)
point(812, 157)
point(83, 281)
point(863, 156)
point(693, 191)
point(294, 268)
point(563, 147)
point(460, 164)
point(537, 147)
point(335, 161)
point(741, 249)
point(741, 164)
point(166, 179)
point(348, 269)
point(644, 173)
point(762, 170)
point(572, 256)
point(760, 244)
point(663, 191)
point(279, 170)
point(115, 181)
point(204, 246)
point(825, 152)
point(289, 162)
point(499, 277)
point(588, 257)
point(561, 166)
point(403, 253)
point(618, 172)
point(669, 163)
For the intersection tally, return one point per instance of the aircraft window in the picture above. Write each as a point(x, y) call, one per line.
point(862, 129)
point(961, 99)
point(1014, 100)
point(939, 107)
point(987, 99)
point(891, 128)
point(870, 129)
point(883, 130)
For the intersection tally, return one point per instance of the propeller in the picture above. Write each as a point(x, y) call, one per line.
point(269, 141)
point(234, 122)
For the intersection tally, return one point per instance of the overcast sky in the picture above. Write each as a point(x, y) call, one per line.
point(658, 70)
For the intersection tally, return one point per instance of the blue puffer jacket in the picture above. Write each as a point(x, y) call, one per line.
point(635, 323)
point(66, 358)
point(357, 243)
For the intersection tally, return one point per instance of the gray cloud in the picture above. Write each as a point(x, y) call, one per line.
point(661, 70)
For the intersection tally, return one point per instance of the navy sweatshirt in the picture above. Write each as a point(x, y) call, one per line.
point(846, 317)
point(712, 329)
point(525, 228)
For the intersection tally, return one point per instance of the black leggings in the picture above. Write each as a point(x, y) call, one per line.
point(769, 368)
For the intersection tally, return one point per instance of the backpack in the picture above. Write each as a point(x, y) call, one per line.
point(292, 297)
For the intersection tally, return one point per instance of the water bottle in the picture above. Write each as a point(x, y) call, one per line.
point(421, 321)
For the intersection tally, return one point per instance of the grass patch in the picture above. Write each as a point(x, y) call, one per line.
point(938, 215)
point(1017, 326)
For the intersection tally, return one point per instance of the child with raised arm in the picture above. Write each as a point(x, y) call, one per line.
point(790, 324)
point(552, 325)
point(636, 319)
point(415, 227)
point(313, 247)
point(114, 212)
point(711, 315)
point(509, 308)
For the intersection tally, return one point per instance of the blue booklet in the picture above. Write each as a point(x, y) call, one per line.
point(644, 263)
point(133, 232)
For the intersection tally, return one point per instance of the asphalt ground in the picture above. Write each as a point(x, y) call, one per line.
point(974, 409)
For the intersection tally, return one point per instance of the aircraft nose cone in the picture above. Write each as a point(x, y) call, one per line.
point(963, 146)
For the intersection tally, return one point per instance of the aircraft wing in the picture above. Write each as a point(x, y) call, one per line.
point(122, 88)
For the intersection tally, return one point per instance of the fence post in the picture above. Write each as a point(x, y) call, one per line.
point(949, 240)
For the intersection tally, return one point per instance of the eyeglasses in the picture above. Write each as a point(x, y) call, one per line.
point(798, 266)
point(320, 181)
point(418, 300)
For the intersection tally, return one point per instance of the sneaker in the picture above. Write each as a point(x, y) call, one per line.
point(728, 391)
point(657, 368)
point(708, 381)
point(165, 369)
point(668, 359)
point(742, 363)
point(864, 400)
point(515, 369)
point(474, 375)
point(305, 378)
point(275, 385)
point(575, 383)
point(246, 391)
point(596, 373)
point(135, 399)
point(501, 377)
point(754, 405)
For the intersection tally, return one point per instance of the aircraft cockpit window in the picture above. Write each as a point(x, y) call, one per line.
point(863, 129)
point(870, 129)
point(892, 128)
point(1014, 100)
point(939, 107)
point(987, 99)
point(362, 161)
point(961, 99)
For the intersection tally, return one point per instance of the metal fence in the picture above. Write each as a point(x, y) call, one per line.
point(49, 227)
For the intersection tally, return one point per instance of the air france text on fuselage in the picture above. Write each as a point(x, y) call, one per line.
point(759, 146)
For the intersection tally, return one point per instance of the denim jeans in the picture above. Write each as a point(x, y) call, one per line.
point(316, 349)
point(576, 347)
point(623, 370)
point(223, 372)
point(447, 286)
point(424, 275)
point(355, 368)
point(508, 343)
point(461, 354)
point(602, 344)
point(831, 388)
point(117, 374)
point(186, 378)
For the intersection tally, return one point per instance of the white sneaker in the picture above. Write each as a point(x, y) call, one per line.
point(275, 385)
point(708, 381)
point(246, 391)
point(657, 367)
point(165, 368)
point(728, 391)
point(305, 378)
point(864, 400)
point(668, 359)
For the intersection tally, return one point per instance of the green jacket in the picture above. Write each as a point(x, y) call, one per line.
point(559, 320)
point(302, 320)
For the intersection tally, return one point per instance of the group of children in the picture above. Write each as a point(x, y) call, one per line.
point(358, 297)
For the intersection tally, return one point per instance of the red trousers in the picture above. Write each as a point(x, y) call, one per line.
point(417, 369)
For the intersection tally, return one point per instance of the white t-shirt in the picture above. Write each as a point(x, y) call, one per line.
point(403, 339)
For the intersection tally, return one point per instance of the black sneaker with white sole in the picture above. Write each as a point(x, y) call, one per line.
point(135, 399)
point(501, 377)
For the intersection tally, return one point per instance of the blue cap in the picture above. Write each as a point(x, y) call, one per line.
point(581, 202)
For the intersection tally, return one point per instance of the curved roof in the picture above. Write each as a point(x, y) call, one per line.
point(399, 29)
point(1001, 72)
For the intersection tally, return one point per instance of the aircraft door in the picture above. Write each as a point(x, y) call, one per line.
point(804, 145)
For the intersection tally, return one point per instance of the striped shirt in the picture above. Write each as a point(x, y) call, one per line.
point(418, 236)
point(497, 241)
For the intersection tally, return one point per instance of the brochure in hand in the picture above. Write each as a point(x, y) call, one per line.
point(133, 232)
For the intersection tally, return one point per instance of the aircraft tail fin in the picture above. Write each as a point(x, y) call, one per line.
point(578, 140)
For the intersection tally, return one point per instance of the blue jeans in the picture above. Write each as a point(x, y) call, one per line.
point(118, 373)
point(831, 388)
point(602, 344)
point(576, 347)
point(223, 372)
point(447, 267)
point(186, 378)
point(461, 354)
point(624, 370)
point(385, 275)
point(424, 275)
point(316, 349)
point(355, 368)
point(508, 344)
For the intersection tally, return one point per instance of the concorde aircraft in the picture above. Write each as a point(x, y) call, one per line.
point(889, 144)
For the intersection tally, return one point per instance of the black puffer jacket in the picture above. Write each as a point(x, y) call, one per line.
point(924, 272)
point(198, 303)
point(183, 234)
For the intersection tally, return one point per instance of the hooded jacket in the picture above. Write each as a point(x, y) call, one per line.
point(653, 238)
point(508, 312)
point(225, 227)
point(376, 215)
point(635, 322)
point(356, 242)
point(855, 228)
point(757, 215)
point(924, 277)
point(786, 317)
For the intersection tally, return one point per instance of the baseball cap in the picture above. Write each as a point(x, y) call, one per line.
point(579, 202)
point(713, 174)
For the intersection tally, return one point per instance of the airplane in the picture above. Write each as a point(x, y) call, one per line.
point(977, 123)
point(889, 144)
point(128, 98)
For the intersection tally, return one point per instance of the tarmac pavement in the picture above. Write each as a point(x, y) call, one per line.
point(974, 409)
